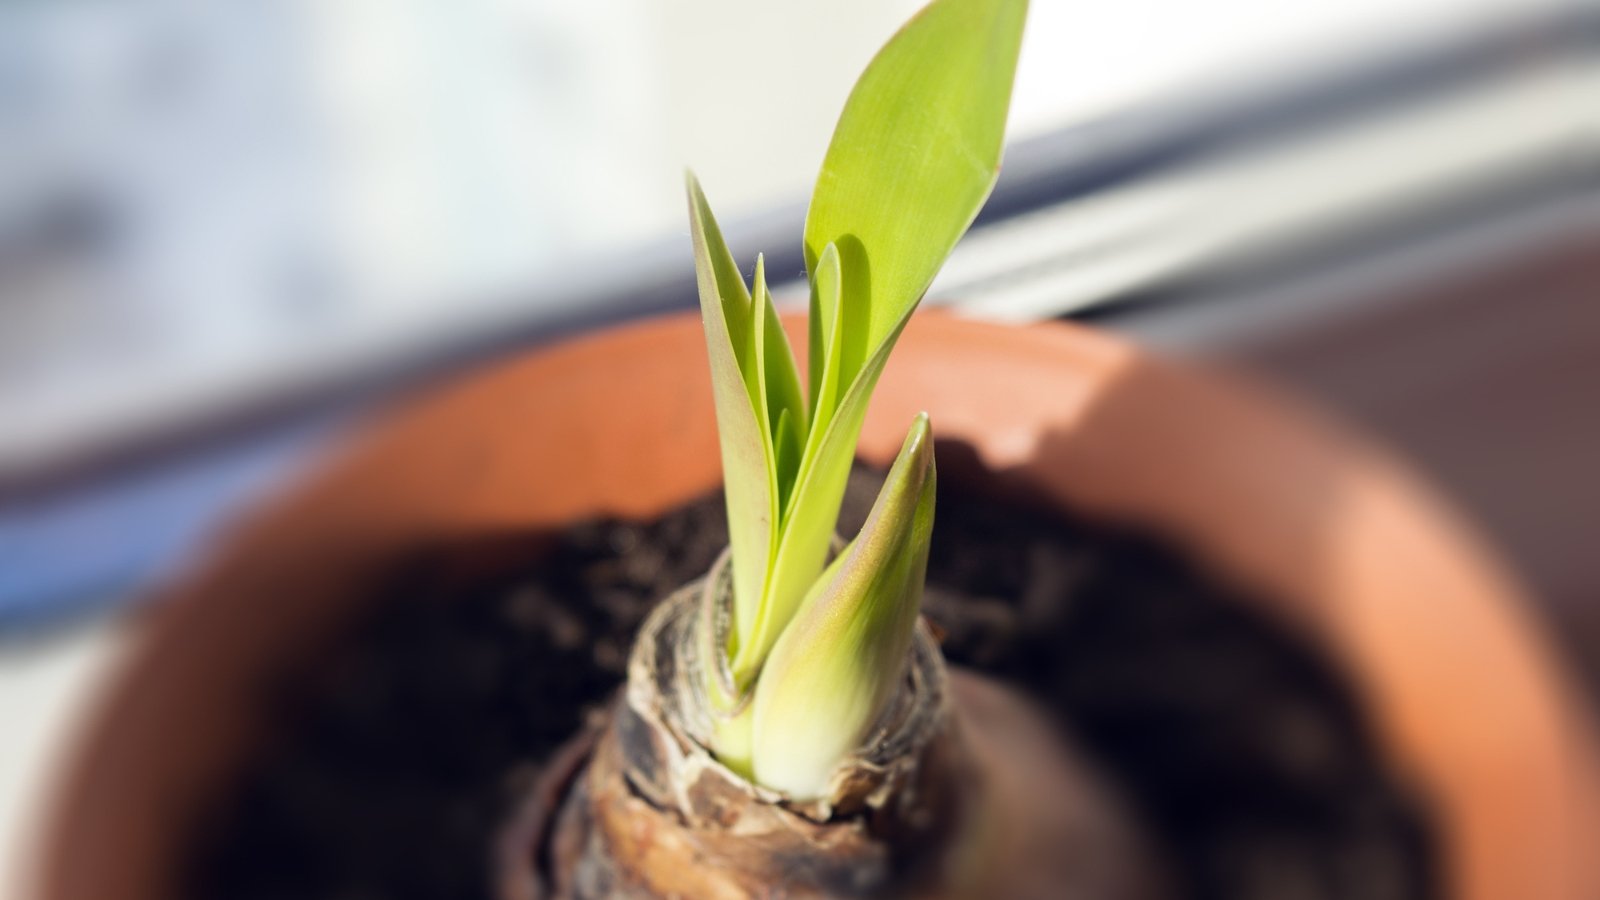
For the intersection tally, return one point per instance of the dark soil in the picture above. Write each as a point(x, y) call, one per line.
point(398, 757)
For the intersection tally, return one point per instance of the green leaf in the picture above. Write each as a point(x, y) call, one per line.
point(914, 156)
point(842, 657)
point(780, 395)
point(725, 310)
point(787, 443)
point(808, 531)
point(826, 336)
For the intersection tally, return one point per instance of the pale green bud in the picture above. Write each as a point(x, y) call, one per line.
point(844, 654)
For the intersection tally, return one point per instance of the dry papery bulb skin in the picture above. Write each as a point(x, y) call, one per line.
point(962, 790)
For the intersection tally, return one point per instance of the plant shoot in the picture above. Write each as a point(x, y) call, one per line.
point(812, 648)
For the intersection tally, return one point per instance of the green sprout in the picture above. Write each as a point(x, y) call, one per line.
point(811, 655)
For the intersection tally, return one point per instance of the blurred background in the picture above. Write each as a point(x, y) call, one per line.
point(226, 230)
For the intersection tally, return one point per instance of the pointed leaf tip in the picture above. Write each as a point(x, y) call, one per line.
point(914, 156)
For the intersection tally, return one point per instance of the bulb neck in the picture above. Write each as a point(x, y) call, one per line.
point(658, 807)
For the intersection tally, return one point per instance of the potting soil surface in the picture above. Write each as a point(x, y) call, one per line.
point(398, 755)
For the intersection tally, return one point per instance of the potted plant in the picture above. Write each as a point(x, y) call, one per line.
point(787, 726)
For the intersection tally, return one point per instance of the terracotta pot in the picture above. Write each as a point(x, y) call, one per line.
point(1468, 700)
